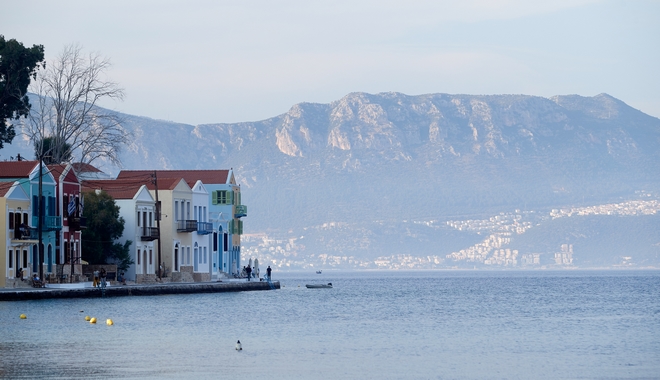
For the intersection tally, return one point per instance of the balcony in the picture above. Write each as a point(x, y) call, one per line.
point(204, 228)
point(23, 234)
point(186, 225)
point(77, 223)
point(241, 211)
point(148, 233)
point(49, 223)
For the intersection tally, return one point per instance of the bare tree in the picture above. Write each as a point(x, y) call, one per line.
point(67, 113)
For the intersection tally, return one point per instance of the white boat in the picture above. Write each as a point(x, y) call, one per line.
point(319, 286)
point(319, 272)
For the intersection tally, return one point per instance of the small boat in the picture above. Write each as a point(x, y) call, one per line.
point(319, 272)
point(319, 286)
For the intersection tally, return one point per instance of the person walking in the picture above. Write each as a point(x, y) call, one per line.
point(268, 272)
point(96, 279)
point(104, 275)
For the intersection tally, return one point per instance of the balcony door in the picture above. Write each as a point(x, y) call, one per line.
point(176, 257)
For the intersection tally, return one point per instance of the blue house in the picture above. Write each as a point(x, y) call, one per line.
point(27, 174)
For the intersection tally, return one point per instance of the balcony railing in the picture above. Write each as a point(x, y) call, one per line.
point(25, 234)
point(186, 226)
point(204, 228)
point(77, 223)
point(49, 223)
point(148, 233)
point(241, 211)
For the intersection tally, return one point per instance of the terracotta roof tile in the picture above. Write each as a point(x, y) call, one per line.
point(80, 167)
point(5, 187)
point(118, 189)
point(190, 176)
point(16, 169)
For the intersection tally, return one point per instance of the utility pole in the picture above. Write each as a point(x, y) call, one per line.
point(40, 217)
point(158, 211)
point(79, 214)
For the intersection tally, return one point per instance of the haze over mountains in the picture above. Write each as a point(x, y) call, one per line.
point(431, 181)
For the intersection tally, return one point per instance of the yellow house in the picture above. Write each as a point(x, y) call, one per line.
point(17, 239)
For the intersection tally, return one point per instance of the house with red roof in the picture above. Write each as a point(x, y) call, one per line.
point(224, 211)
point(16, 238)
point(30, 176)
point(138, 209)
point(70, 208)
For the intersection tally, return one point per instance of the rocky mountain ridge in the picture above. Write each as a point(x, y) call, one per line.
point(367, 165)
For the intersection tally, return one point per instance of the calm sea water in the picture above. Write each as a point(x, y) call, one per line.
point(373, 325)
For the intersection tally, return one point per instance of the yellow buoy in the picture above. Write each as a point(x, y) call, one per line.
point(109, 322)
point(87, 318)
point(93, 320)
point(23, 316)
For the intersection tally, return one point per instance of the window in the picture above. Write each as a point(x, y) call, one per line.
point(150, 257)
point(25, 258)
point(138, 219)
point(188, 254)
point(204, 254)
point(138, 257)
point(176, 210)
point(11, 259)
point(195, 213)
point(51, 206)
point(150, 219)
point(222, 197)
point(188, 211)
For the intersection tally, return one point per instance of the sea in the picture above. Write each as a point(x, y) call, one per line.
point(371, 325)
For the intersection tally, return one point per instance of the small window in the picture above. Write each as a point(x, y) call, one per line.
point(11, 259)
point(11, 220)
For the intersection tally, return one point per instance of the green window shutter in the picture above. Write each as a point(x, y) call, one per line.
point(230, 226)
point(214, 197)
point(240, 227)
point(230, 197)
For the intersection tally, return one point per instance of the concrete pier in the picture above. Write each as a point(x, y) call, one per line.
point(136, 290)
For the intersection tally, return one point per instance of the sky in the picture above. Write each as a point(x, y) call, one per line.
point(217, 61)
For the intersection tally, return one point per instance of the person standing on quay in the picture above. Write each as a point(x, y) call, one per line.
point(268, 271)
point(249, 272)
point(96, 278)
point(104, 275)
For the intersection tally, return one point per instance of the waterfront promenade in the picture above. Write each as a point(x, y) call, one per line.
point(54, 291)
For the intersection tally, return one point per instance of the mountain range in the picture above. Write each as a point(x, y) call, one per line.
point(386, 180)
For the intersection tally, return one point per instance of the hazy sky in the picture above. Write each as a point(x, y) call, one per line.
point(228, 61)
